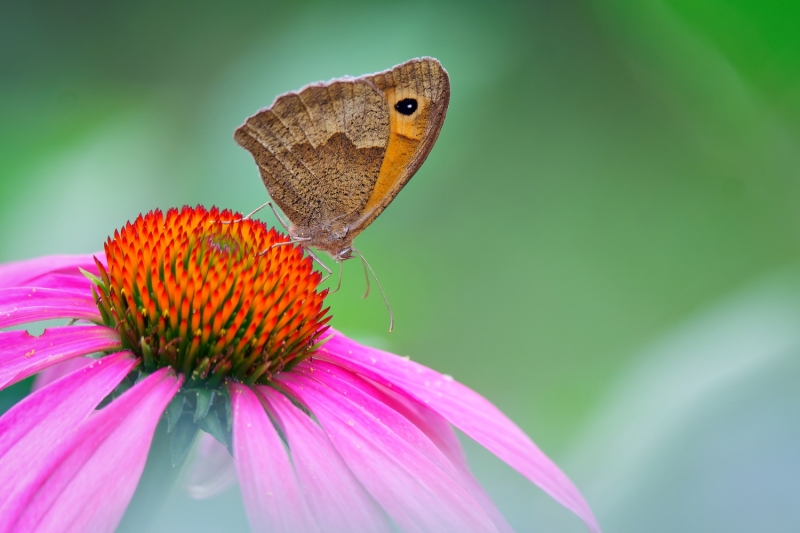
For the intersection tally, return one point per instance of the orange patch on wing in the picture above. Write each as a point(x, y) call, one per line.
point(405, 134)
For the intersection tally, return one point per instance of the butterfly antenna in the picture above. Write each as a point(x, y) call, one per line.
point(366, 275)
point(339, 284)
point(386, 301)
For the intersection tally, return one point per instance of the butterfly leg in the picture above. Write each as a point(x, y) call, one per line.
point(275, 246)
point(295, 240)
point(256, 210)
point(385, 300)
point(275, 212)
point(292, 240)
point(323, 265)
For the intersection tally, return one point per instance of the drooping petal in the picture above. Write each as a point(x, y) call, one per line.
point(30, 429)
point(87, 480)
point(442, 435)
point(466, 410)
point(449, 454)
point(272, 496)
point(29, 304)
point(211, 470)
point(27, 273)
point(416, 493)
point(333, 493)
point(22, 354)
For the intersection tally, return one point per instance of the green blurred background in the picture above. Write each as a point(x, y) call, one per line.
point(603, 241)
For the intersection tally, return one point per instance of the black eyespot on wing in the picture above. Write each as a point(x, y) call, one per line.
point(406, 106)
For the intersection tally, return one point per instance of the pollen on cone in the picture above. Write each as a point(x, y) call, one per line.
point(210, 294)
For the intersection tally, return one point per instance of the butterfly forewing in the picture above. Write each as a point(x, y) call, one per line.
point(334, 155)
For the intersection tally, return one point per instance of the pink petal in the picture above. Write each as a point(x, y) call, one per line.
point(32, 427)
point(334, 495)
point(21, 305)
point(65, 282)
point(87, 480)
point(272, 496)
point(397, 470)
point(58, 371)
point(22, 354)
point(211, 471)
point(466, 410)
point(435, 428)
point(24, 273)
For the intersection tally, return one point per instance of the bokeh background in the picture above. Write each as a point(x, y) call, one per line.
point(603, 242)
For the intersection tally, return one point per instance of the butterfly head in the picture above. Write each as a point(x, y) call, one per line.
point(344, 254)
point(340, 249)
point(334, 241)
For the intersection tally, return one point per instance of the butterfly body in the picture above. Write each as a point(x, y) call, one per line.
point(333, 155)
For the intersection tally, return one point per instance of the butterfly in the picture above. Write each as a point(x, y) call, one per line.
point(334, 154)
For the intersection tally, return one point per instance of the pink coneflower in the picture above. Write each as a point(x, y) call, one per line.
point(210, 325)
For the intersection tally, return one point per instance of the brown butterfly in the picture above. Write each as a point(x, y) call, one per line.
point(333, 155)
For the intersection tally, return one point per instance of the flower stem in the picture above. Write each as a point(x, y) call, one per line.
point(154, 487)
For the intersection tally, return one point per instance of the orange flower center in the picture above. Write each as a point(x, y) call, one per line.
point(212, 295)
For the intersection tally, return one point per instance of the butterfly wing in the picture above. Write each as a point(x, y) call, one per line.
point(425, 82)
point(320, 150)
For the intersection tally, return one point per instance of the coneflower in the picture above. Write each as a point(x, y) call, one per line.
point(216, 324)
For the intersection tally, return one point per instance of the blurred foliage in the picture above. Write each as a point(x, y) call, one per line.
point(760, 41)
point(606, 168)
